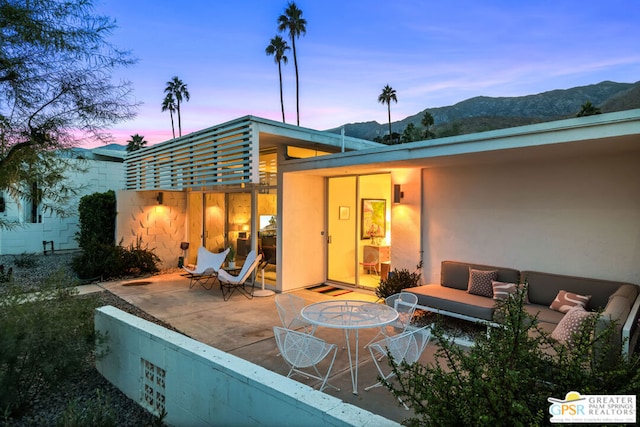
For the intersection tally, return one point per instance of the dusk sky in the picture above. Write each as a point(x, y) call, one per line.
point(433, 53)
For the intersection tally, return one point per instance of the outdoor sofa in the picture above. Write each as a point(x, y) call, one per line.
point(620, 301)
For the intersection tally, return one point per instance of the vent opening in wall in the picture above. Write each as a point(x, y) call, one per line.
point(153, 387)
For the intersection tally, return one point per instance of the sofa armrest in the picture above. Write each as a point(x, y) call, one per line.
point(630, 329)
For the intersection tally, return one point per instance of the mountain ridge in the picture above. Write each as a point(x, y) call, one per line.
point(482, 113)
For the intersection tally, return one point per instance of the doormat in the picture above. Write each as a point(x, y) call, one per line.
point(329, 290)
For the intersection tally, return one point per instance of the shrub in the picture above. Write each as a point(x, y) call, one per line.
point(507, 377)
point(43, 340)
point(97, 213)
point(5, 276)
point(25, 260)
point(397, 281)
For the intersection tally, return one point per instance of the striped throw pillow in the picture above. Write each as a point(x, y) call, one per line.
point(566, 300)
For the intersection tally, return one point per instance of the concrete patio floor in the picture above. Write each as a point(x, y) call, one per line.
point(243, 327)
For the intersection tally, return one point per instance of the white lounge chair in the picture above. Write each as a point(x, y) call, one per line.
point(405, 347)
point(208, 265)
point(303, 351)
point(230, 283)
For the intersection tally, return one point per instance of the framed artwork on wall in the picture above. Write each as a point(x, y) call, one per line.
point(374, 218)
point(344, 212)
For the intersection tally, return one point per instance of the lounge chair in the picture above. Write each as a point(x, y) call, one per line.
point(207, 267)
point(230, 283)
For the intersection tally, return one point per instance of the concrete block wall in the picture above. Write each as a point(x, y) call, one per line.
point(98, 177)
point(196, 384)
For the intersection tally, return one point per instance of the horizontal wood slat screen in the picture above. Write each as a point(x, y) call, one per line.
point(225, 155)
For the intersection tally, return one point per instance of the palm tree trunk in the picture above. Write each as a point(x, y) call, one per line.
point(295, 63)
point(389, 111)
point(173, 127)
point(281, 98)
point(180, 121)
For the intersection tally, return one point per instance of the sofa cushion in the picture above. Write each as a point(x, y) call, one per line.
point(480, 282)
point(544, 314)
point(543, 288)
point(452, 300)
point(565, 301)
point(454, 274)
point(570, 325)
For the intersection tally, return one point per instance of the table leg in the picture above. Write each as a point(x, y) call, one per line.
point(353, 368)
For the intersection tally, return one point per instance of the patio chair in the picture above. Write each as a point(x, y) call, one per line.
point(406, 347)
point(207, 266)
point(405, 304)
point(303, 351)
point(230, 283)
point(289, 306)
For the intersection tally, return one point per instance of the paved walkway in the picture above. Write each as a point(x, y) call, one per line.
point(243, 328)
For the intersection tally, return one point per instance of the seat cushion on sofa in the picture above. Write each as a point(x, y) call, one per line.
point(543, 288)
point(455, 274)
point(545, 314)
point(454, 300)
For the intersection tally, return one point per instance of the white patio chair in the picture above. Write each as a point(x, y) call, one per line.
point(289, 307)
point(303, 351)
point(405, 304)
point(230, 283)
point(207, 266)
point(405, 347)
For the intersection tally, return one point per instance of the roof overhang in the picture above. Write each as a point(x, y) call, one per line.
point(592, 135)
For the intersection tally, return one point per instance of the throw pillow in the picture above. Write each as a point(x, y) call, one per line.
point(570, 325)
point(480, 282)
point(502, 290)
point(566, 300)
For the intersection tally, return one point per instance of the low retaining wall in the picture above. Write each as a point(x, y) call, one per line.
point(198, 385)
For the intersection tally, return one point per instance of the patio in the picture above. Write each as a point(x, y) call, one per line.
point(243, 327)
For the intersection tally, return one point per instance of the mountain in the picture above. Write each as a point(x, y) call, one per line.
point(484, 113)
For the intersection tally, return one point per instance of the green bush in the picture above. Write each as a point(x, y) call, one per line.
point(44, 338)
point(506, 378)
point(25, 260)
point(398, 280)
point(97, 214)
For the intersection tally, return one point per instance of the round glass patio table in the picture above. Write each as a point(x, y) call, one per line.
point(350, 315)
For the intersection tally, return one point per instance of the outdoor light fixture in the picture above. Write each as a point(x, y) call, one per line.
point(398, 194)
point(159, 198)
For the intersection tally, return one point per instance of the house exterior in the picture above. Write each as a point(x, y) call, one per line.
point(99, 170)
point(562, 197)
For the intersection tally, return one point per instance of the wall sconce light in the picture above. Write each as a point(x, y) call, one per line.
point(159, 198)
point(398, 194)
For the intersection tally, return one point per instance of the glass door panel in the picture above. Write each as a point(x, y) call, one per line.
point(195, 219)
point(238, 223)
point(342, 225)
point(214, 207)
point(268, 233)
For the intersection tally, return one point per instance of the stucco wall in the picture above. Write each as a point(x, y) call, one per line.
point(577, 216)
point(99, 176)
point(406, 251)
point(161, 227)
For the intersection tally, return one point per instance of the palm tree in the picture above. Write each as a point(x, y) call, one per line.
point(169, 103)
point(135, 143)
point(179, 90)
point(427, 122)
point(388, 94)
point(293, 22)
point(278, 47)
point(588, 109)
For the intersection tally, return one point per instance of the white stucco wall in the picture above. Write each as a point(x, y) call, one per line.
point(406, 251)
point(99, 177)
point(161, 227)
point(577, 216)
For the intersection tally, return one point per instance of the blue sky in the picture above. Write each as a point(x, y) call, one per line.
point(433, 53)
